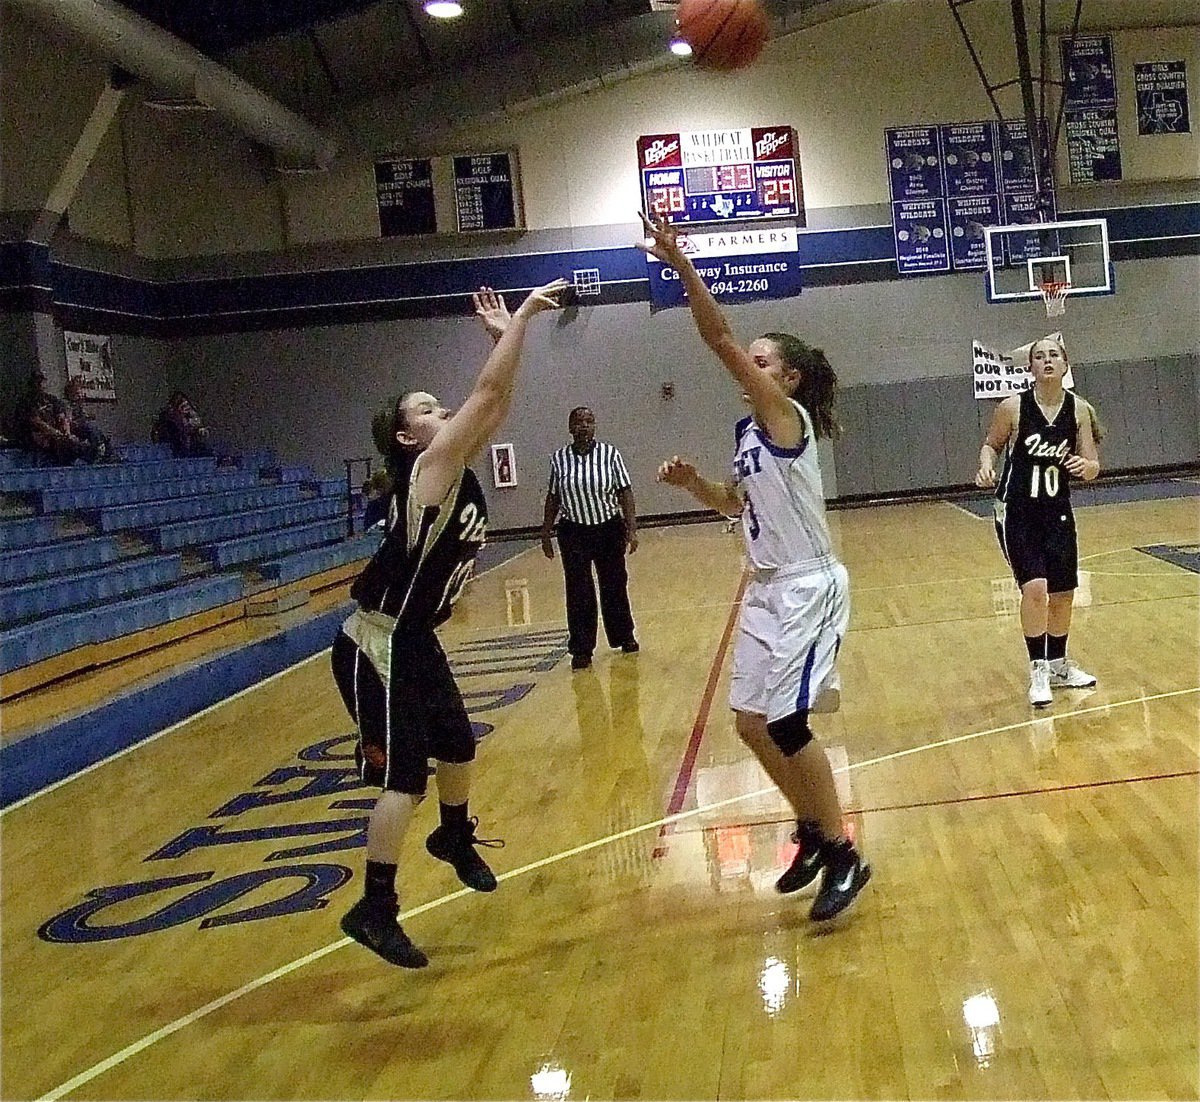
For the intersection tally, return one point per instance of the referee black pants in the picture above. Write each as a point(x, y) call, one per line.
point(581, 546)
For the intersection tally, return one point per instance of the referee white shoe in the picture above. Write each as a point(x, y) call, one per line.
point(1039, 683)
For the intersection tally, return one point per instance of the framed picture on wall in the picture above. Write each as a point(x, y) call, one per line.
point(504, 466)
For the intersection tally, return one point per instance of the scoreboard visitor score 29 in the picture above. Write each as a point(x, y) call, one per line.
point(721, 175)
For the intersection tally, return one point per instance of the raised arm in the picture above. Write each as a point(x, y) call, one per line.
point(720, 496)
point(490, 399)
point(1004, 420)
point(773, 410)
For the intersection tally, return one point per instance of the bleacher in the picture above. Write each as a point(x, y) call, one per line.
point(98, 562)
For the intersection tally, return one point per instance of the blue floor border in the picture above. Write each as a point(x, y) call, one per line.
point(55, 753)
point(1186, 556)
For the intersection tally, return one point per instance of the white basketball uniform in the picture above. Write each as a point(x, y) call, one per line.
point(796, 608)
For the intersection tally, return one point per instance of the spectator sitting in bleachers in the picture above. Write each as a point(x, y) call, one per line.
point(179, 425)
point(47, 426)
point(83, 425)
point(377, 490)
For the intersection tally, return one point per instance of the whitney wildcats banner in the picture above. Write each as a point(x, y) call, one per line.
point(738, 264)
point(999, 374)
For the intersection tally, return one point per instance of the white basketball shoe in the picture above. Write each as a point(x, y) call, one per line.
point(1064, 674)
point(1039, 683)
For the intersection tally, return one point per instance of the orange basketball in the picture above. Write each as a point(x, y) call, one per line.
point(723, 34)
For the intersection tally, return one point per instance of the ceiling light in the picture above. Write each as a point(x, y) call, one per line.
point(443, 9)
point(680, 47)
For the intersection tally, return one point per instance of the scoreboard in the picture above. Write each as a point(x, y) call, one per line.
point(721, 175)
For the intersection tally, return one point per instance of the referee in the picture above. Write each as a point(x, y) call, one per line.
point(590, 487)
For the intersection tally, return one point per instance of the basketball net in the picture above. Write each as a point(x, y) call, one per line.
point(1054, 294)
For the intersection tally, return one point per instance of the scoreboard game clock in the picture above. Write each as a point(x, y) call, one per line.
point(710, 176)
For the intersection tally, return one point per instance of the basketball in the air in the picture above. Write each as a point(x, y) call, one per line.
point(723, 34)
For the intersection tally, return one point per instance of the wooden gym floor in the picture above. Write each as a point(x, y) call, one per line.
point(1030, 931)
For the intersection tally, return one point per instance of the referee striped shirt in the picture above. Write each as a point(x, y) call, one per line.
point(587, 485)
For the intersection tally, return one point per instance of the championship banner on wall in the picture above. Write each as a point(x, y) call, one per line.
point(89, 358)
point(1090, 106)
point(949, 182)
point(1162, 97)
point(1000, 374)
point(404, 196)
point(737, 265)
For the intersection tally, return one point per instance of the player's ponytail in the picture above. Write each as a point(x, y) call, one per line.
point(816, 388)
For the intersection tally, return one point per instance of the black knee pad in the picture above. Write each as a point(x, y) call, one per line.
point(790, 734)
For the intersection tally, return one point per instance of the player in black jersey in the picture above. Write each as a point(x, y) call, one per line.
point(1048, 435)
point(389, 667)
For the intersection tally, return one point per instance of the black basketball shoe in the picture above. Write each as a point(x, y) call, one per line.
point(456, 846)
point(374, 925)
point(808, 862)
point(845, 876)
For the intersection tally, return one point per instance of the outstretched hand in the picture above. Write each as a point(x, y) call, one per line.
point(662, 240)
point(544, 297)
point(491, 310)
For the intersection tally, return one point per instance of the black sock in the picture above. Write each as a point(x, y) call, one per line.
point(381, 881)
point(1036, 645)
point(453, 815)
point(1056, 646)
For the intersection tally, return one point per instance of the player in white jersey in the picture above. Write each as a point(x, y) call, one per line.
point(796, 607)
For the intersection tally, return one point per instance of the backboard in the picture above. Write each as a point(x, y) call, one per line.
point(1021, 258)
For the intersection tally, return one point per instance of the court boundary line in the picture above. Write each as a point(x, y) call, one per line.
point(118, 1058)
point(951, 801)
point(687, 766)
point(964, 509)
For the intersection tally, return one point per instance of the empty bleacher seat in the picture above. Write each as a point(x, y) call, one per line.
point(273, 545)
point(49, 595)
point(151, 609)
point(262, 459)
point(24, 480)
point(150, 514)
point(56, 558)
point(326, 487)
point(315, 560)
point(44, 638)
point(229, 526)
point(144, 453)
point(27, 531)
point(289, 473)
point(12, 458)
point(100, 497)
point(29, 643)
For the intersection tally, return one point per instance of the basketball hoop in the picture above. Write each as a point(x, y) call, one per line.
point(1054, 294)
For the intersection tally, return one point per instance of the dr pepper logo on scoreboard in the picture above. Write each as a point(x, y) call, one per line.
point(721, 175)
point(698, 147)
